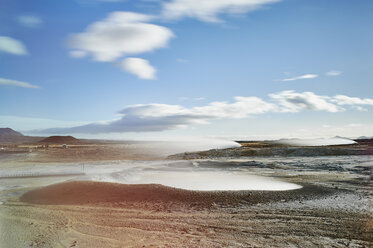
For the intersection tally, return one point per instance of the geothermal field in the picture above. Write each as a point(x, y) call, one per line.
point(125, 194)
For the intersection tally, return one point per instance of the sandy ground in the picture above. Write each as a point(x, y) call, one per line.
point(333, 209)
point(91, 214)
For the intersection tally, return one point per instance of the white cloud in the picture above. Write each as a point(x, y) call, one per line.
point(208, 10)
point(291, 101)
point(160, 117)
point(9, 82)
point(346, 100)
point(139, 67)
point(241, 108)
point(334, 73)
point(13, 46)
point(305, 76)
point(30, 21)
point(359, 108)
point(120, 34)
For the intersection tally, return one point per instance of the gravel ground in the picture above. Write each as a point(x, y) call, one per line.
point(333, 209)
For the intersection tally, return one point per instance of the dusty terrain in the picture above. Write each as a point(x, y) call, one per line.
point(270, 148)
point(91, 214)
point(40, 153)
point(46, 150)
point(333, 209)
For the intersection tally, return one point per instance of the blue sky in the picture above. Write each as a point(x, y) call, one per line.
point(155, 69)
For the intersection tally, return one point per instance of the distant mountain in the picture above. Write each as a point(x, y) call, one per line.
point(8, 132)
point(9, 136)
point(60, 140)
point(364, 138)
point(368, 141)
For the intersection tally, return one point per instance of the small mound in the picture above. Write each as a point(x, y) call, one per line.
point(88, 192)
point(92, 193)
point(60, 139)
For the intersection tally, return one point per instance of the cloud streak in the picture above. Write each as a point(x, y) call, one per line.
point(207, 10)
point(305, 76)
point(29, 21)
point(334, 73)
point(10, 82)
point(161, 117)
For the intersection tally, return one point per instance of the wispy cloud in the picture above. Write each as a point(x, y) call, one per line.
point(305, 76)
point(13, 46)
point(291, 101)
point(346, 100)
point(199, 98)
point(139, 67)
point(184, 98)
point(334, 73)
point(78, 54)
point(180, 60)
point(111, 1)
point(119, 35)
point(10, 82)
point(359, 108)
point(160, 117)
point(30, 21)
point(207, 10)
point(355, 125)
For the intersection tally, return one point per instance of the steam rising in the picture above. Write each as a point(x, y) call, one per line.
point(193, 145)
point(214, 180)
point(317, 142)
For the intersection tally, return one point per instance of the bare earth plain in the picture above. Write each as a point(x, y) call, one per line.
point(332, 209)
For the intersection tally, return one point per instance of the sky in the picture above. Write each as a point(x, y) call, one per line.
point(153, 69)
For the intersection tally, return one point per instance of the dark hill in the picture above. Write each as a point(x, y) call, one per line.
point(60, 140)
point(8, 132)
point(365, 141)
point(9, 136)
